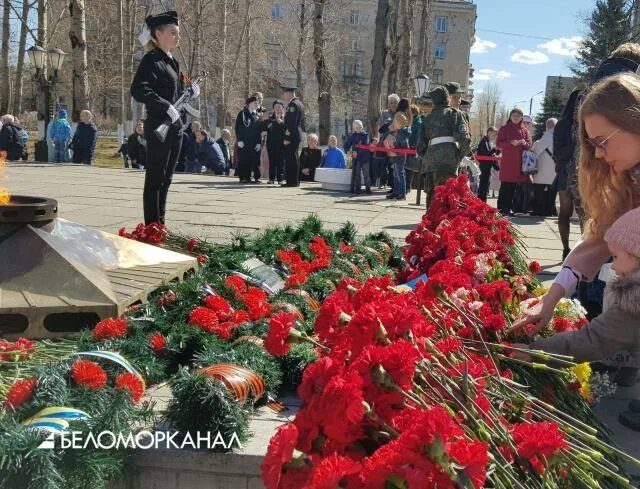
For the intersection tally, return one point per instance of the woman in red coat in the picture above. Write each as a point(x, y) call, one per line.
point(513, 139)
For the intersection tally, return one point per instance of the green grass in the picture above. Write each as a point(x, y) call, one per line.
point(105, 155)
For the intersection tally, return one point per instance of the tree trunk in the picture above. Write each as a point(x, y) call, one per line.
point(404, 74)
point(301, 40)
point(122, 112)
point(325, 81)
point(222, 105)
point(77, 35)
point(236, 58)
point(5, 82)
point(423, 44)
point(17, 95)
point(247, 59)
point(43, 101)
point(378, 65)
point(394, 47)
point(130, 15)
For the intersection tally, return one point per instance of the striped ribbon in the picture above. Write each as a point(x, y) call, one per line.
point(114, 357)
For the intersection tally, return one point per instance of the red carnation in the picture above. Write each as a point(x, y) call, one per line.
point(132, 383)
point(110, 328)
point(330, 471)
point(474, 457)
point(157, 342)
point(280, 326)
point(534, 439)
point(236, 284)
point(88, 374)
point(191, 244)
point(202, 259)
point(448, 345)
point(279, 452)
point(20, 392)
point(562, 324)
point(204, 318)
point(534, 267)
point(167, 298)
point(239, 317)
point(345, 249)
point(256, 301)
point(218, 304)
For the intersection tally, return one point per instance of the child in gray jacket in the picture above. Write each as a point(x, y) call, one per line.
point(618, 327)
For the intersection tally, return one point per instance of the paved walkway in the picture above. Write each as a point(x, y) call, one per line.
point(219, 208)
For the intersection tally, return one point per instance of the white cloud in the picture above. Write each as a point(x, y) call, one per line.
point(530, 57)
point(489, 74)
point(562, 46)
point(481, 46)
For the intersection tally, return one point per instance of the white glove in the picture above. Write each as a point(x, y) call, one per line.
point(257, 148)
point(240, 144)
point(194, 90)
point(173, 113)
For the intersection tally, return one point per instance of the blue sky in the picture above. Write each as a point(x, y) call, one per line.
point(545, 31)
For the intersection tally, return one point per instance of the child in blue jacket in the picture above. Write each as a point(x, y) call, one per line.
point(359, 158)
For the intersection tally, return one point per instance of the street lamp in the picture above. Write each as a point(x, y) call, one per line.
point(423, 84)
point(39, 58)
point(531, 101)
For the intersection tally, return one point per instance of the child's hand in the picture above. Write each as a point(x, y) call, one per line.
point(520, 355)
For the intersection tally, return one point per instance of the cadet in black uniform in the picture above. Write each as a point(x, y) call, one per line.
point(294, 126)
point(275, 139)
point(158, 84)
point(248, 135)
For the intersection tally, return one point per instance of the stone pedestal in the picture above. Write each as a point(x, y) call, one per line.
point(334, 179)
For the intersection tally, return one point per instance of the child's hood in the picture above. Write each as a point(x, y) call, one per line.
point(625, 292)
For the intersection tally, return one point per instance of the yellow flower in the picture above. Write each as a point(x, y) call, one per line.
point(585, 391)
point(582, 372)
point(540, 291)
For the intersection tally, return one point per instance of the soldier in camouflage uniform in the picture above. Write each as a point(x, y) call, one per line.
point(444, 140)
point(456, 93)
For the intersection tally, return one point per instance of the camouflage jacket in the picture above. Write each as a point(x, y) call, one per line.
point(444, 122)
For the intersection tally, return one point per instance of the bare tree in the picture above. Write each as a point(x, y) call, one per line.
point(5, 76)
point(394, 46)
point(489, 105)
point(24, 29)
point(323, 76)
point(404, 69)
point(77, 36)
point(378, 64)
point(222, 65)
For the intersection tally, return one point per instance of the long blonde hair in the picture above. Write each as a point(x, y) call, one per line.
point(605, 194)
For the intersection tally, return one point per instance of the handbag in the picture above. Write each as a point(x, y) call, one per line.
point(529, 163)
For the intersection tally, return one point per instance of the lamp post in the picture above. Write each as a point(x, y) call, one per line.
point(531, 101)
point(423, 84)
point(39, 59)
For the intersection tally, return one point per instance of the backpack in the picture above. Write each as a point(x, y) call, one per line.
point(529, 163)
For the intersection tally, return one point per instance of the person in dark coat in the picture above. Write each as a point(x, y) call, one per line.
point(159, 83)
point(248, 135)
point(294, 127)
point(191, 163)
point(310, 159)
point(224, 141)
point(137, 147)
point(11, 138)
point(208, 153)
point(123, 151)
point(275, 140)
point(487, 148)
point(84, 140)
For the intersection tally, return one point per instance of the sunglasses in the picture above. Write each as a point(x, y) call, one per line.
point(601, 144)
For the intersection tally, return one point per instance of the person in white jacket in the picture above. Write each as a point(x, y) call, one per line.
point(544, 200)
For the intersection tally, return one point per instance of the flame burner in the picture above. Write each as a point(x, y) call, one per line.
point(58, 277)
point(23, 209)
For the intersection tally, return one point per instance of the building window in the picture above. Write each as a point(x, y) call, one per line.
point(437, 76)
point(441, 51)
point(355, 46)
point(442, 23)
point(276, 11)
point(352, 69)
point(273, 63)
point(354, 17)
point(272, 38)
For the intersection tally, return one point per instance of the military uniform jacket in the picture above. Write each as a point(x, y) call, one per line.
point(248, 128)
point(444, 122)
point(275, 133)
point(157, 84)
point(294, 122)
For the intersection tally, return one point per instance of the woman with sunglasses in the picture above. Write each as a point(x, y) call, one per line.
point(609, 182)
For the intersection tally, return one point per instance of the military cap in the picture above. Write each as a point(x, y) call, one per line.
point(439, 95)
point(288, 88)
point(165, 18)
point(454, 88)
point(465, 103)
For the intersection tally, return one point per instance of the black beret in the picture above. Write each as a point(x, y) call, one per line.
point(165, 18)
